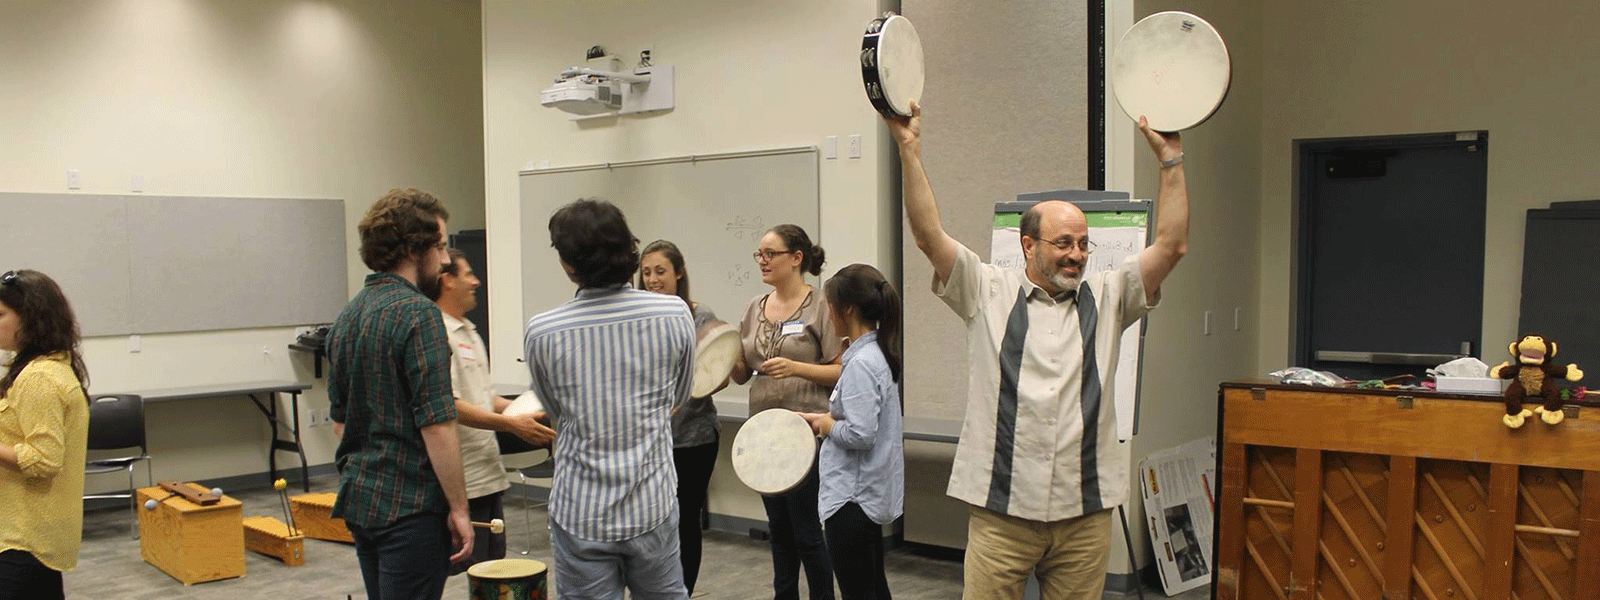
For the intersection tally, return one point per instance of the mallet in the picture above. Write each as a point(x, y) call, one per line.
point(496, 526)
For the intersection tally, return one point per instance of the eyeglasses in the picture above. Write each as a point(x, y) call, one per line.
point(765, 256)
point(8, 277)
point(1066, 244)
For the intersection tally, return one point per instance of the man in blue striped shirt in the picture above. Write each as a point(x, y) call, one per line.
point(609, 366)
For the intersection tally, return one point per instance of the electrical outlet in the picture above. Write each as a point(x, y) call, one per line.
point(855, 145)
point(136, 184)
point(74, 181)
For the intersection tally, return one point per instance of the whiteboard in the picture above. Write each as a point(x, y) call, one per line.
point(1119, 230)
point(715, 207)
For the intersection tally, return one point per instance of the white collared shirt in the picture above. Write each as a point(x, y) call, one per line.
point(1031, 447)
point(470, 382)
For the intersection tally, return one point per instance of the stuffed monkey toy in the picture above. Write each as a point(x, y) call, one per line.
point(1533, 376)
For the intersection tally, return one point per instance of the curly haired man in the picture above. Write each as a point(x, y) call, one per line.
point(401, 489)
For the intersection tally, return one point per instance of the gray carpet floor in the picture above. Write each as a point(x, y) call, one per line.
point(734, 567)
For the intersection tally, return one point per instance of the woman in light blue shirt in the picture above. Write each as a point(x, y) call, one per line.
point(862, 460)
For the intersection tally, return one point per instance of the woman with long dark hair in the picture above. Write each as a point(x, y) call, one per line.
point(694, 423)
point(862, 459)
point(44, 431)
point(793, 350)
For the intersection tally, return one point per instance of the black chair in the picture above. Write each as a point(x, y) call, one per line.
point(511, 445)
point(116, 421)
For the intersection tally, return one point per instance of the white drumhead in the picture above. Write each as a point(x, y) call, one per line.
point(774, 451)
point(526, 404)
point(714, 356)
point(900, 67)
point(1173, 68)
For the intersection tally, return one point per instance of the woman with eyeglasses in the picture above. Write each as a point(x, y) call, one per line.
point(44, 429)
point(791, 360)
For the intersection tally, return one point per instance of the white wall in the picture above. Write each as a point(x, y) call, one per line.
point(272, 98)
point(750, 75)
point(1340, 69)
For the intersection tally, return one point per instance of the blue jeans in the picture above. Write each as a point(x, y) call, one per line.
point(648, 565)
point(404, 560)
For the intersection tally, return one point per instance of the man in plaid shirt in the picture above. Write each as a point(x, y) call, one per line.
point(401, 489)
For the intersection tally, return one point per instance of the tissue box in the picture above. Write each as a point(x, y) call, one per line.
point(1471, 385)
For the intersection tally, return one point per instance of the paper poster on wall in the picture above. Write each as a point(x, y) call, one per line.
point(1116, 235)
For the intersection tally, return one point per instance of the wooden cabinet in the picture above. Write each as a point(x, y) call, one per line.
point(1334, 494)
point(190, 542)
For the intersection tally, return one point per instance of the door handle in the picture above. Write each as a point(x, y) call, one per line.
point(1385, 358)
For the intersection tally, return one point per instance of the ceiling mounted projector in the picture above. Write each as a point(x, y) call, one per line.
point(583, 94)
point(594, 93)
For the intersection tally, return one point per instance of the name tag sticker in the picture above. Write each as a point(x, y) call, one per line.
point(465, 352)
point(796, 327)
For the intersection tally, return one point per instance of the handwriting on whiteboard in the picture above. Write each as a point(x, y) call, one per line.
point(744, 227)
point(738, 276)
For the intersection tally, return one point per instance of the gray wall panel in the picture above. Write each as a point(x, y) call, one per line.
point(158, 264)
point(1005, 112)
point(79, 240)
point(202, 264)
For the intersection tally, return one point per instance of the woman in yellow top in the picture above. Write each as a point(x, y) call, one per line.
point(44, 429)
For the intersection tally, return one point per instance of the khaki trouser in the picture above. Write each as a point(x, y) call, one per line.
point(1069, 555)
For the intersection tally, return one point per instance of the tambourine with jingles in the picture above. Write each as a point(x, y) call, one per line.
point(891, 65)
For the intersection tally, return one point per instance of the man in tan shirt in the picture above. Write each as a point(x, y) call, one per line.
point(1038, 462)
point(479, 411)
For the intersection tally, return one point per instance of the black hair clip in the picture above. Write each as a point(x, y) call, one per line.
point(8, 277)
